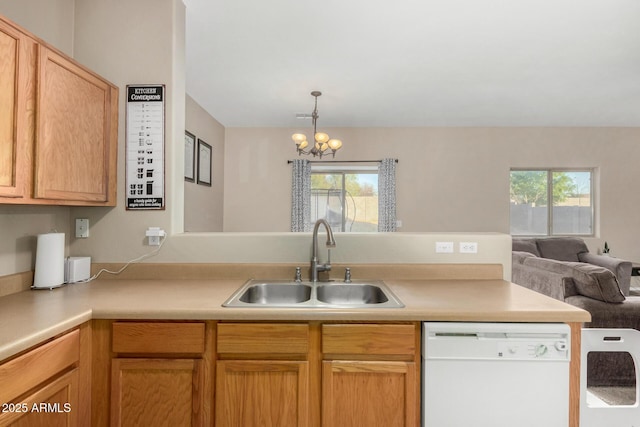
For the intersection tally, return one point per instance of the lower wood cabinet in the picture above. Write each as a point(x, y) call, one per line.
point(157, 374)
point(155, 392)
point(317, 374)
point(370, 375)
point(52, 405)
point(48, 385)
point(262, 393)
point(366, 393)
point(250, 374)
point(262, 375)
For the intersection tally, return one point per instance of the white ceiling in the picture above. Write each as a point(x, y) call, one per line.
point(416, 62)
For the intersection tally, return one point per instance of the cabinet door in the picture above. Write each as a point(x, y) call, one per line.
point(364, 393)
point(74, 158)
point(17, 92)
point(154, 392)
point(262, 393)
point(54, 405)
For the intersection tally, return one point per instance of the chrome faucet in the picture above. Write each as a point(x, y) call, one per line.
point(331, 243)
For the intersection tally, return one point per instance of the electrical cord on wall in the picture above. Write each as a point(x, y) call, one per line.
point(133, 261)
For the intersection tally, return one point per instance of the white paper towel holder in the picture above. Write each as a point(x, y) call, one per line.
point(49, 271)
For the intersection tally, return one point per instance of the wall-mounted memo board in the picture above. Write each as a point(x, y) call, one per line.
point(145, 147)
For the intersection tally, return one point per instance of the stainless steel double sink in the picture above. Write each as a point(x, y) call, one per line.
point(291, 294)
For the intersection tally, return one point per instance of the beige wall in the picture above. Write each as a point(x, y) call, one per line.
point(19, 226)
point(203, 204)
point(134, 42)
point(51, 20)
point(448, 179)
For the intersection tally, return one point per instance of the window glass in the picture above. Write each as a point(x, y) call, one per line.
point(529, 202)
point(571, 196)
point(572, 205)
point(348, 200)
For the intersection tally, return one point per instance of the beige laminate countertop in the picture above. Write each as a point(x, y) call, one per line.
point(30, 317)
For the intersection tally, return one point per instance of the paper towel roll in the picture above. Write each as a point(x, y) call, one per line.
point(49, 261)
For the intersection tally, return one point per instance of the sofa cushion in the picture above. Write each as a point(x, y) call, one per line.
point(555, 266)
point(525, 245)
point(561, 248)
point(519, 257)
point(589, 280)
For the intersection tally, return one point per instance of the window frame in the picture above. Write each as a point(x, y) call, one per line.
point(550, 171)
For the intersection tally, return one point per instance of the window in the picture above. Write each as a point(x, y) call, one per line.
point(346, 198)
point(568, 192)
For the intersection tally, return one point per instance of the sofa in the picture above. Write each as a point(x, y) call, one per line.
point(564, 269)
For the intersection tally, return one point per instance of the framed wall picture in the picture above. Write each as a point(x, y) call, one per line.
point(145, 147)
point(204, 163)
point(189, 157)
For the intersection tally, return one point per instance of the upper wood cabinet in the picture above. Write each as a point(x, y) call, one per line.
point(58, 127)
point(17, 99)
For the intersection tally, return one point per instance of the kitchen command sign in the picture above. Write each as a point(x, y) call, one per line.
point(145, 147)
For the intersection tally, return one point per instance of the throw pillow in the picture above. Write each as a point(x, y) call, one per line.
point(525, 245)
point(596, 282)
point(562, 248)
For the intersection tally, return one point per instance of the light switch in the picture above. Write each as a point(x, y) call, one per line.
point(82, 228)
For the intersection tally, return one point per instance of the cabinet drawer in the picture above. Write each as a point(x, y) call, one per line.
point(38, 365)
point(158, 337)
point(369, 339)
point(239, 338)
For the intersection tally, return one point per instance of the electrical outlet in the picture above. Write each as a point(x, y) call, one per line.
point(82, 228)
point(154, 234)
point(468, 247)
point(444, 247)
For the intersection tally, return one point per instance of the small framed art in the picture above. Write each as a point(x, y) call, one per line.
point(189, 156)
point(204, 163)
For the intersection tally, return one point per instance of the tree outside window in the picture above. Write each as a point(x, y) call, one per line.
point(571, 196)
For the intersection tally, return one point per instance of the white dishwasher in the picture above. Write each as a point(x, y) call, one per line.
point(495, 374)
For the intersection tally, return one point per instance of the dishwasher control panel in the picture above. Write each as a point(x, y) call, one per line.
point(551, 348)
point(502, 341)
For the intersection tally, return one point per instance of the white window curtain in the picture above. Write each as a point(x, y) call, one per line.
point(300, 195)
point(387, 195)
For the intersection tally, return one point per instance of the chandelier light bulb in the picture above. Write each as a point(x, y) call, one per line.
point(302, 145)
point(321, 137)
point(298, 138)
point(334, 144)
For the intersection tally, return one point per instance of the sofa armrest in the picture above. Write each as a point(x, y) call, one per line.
point(619, 267)
point(549, 283)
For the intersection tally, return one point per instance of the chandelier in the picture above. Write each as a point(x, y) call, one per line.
point(322, 142)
